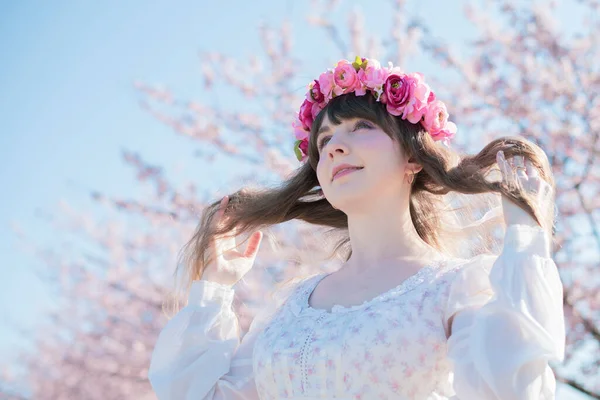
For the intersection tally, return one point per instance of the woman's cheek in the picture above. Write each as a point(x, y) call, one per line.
point(320, 171)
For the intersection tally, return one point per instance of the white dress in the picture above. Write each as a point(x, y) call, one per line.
point(508, 324)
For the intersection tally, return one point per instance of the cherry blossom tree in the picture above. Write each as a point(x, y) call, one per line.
point(521, 75)
point(527, 77)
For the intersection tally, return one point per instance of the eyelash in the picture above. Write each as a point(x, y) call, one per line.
point(362, 123)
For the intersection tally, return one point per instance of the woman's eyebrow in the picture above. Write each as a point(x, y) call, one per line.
point(322, 129)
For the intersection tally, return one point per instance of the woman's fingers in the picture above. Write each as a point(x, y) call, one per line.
point(253, 245)
point(531, 170)
point(521, 175)
point(505, 169)
point(519, 164)
point(227, 263)
point(516, 172)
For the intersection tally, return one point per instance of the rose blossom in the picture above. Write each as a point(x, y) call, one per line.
point(316, 109)
point(299, 132)
point(446, 133)
point(326, 84)
point(396, 93)
point(373, 77)
point(345, 78)
point(305, 115)
point(435, 117)
point(436, 122)
point(431, 98)
point(303, 146)
point(314, 94)
point(417, 104)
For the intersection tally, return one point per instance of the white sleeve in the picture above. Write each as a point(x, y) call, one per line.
point(198, 354)
point(507, 321)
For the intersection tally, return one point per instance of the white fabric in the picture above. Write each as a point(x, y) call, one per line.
point(495, 214)
point(505, 315)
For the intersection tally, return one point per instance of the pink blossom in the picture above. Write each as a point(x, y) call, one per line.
point(361, 91)
point(303, 146)
point(416, 107)
point(299, 130)
point(436, 122)
point(446, 133)
point(346, 78)
point(337, 90)
point(431, 98)
point(316, 109)
point(394, 70)
point(397, 93)
point(326, 84)
point(435, 117)
point(314, 94)
point(305, 116)
point(373, 77)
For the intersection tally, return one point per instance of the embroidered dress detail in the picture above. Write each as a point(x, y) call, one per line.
point(406, 286)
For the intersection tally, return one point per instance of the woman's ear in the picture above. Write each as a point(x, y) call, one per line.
point(412, 166)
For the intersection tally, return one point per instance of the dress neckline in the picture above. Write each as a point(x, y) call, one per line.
point(406, 285)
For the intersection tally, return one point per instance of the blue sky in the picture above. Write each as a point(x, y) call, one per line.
point(68, 107)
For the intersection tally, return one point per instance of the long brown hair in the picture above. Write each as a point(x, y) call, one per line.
point(444, 171)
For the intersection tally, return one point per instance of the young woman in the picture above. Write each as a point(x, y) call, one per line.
point(404, 317)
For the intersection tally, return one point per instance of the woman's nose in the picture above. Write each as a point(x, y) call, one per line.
point(336, 145)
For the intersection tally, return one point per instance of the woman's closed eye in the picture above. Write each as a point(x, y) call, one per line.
point(360, 124)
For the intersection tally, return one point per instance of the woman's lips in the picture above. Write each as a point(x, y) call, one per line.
point(345, 172)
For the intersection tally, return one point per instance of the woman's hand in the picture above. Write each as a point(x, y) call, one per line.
point(520, 174)
point(229, 265)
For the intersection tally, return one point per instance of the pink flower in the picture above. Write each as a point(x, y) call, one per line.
point(435, 116)
point(305, 116)
point(303, 146)
point(446, 133)
point(436, 122)
point(314, 94)
point(299, 130)
point(361, 91)
point(394, 70)
point(417, 105)
point(346, 78)
point(431, 98)
point(397, 93)
point(373, 77)
point(301, 150)
point(326, 84)
point(316, 109)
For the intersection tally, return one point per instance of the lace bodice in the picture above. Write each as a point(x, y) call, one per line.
point(396, 340)
point(407, 285)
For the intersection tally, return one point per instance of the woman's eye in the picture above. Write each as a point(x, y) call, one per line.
point(358, 125)
point(362, 124)
point(322, 143)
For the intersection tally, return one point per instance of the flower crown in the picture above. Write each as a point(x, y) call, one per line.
point(405, 95)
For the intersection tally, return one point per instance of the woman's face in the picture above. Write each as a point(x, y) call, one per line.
point(360, 143)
